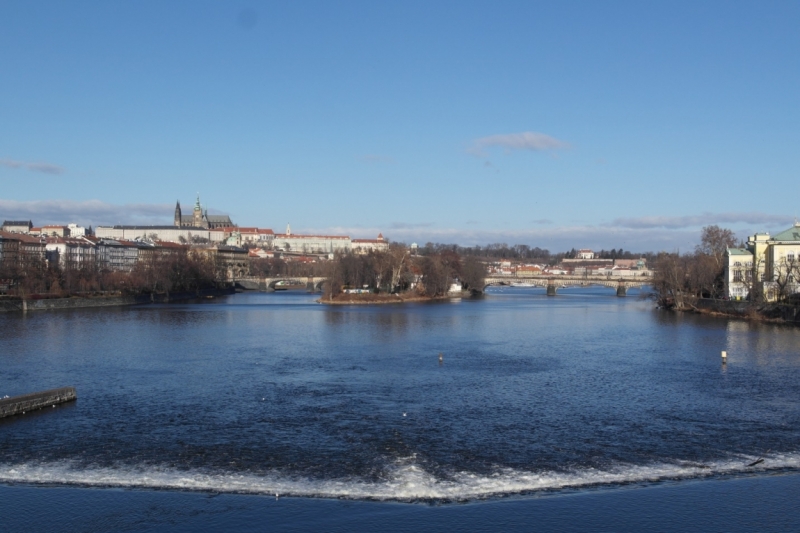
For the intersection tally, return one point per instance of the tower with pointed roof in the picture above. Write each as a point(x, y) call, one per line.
point(178, 213)
point(200, 217)
point(197, 214)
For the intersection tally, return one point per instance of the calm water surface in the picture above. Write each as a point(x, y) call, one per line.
point(273, 393)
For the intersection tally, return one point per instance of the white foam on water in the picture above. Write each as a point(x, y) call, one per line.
point(404, 481)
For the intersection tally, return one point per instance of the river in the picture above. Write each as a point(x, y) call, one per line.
point(346, 409)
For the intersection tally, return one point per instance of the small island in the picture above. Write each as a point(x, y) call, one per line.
point(398, 275)
point(382, 298)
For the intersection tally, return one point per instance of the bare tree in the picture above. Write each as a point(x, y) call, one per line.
point(715, 241)
point(786, 276)
point(473, 274)
point(669, 281)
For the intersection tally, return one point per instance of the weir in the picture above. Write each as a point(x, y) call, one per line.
point(36, 400)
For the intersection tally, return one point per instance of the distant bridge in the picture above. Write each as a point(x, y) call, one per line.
point(271, 284)
point(553, 283)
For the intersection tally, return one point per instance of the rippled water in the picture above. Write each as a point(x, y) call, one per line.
point(273, 393)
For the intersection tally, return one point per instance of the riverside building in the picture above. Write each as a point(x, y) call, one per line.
point(769, 265)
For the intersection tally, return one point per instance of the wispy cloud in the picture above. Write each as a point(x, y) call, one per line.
point(704, 219)
point(554, 238)
point(527, 140)
point(644, 234)
point(88, 212)
point(409, 225)
point(45, 168)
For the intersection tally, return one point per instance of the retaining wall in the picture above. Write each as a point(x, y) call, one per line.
point(37, 400)
point(11, 305)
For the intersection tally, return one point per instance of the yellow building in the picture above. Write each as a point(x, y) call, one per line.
point(768, 266)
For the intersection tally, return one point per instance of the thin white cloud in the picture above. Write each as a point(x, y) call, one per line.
point(704, 219)
point(45, 168)
point(643, 234)
point(527, 140)
point(88, 212)
point(410, 225)
point(553, 238)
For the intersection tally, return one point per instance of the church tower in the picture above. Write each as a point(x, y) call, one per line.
point(197, 214)
point(178, 213)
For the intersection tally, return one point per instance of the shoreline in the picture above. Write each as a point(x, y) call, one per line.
point(82, 302)
point(378, 299)
point(789, 315)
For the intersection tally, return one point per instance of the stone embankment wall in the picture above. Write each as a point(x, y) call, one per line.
point(251, 285)
point(12, 305)
point(37, 400)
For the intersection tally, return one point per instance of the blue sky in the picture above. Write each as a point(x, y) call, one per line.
point(553, 124)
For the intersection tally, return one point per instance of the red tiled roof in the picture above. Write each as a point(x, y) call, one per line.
point(19, 237)
point(167, 244)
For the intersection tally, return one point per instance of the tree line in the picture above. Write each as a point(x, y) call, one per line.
point(523, 252)
point(680, 280)
point(175, 271)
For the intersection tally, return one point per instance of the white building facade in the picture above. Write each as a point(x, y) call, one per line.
point(159, 233)
point(312, 243)
point(768, 264)
point(364, 246)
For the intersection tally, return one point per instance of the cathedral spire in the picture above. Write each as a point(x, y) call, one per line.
point(178, 213)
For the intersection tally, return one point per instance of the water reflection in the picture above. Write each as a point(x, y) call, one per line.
point(762, 343)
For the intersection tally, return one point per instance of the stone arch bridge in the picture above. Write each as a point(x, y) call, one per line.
point(553, 283)
point(272, 284)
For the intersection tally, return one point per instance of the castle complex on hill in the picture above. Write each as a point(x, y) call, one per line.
point(200, 218)
point(202, 228)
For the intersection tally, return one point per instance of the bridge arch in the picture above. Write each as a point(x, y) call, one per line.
point(553, 283)
point(275, 283)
